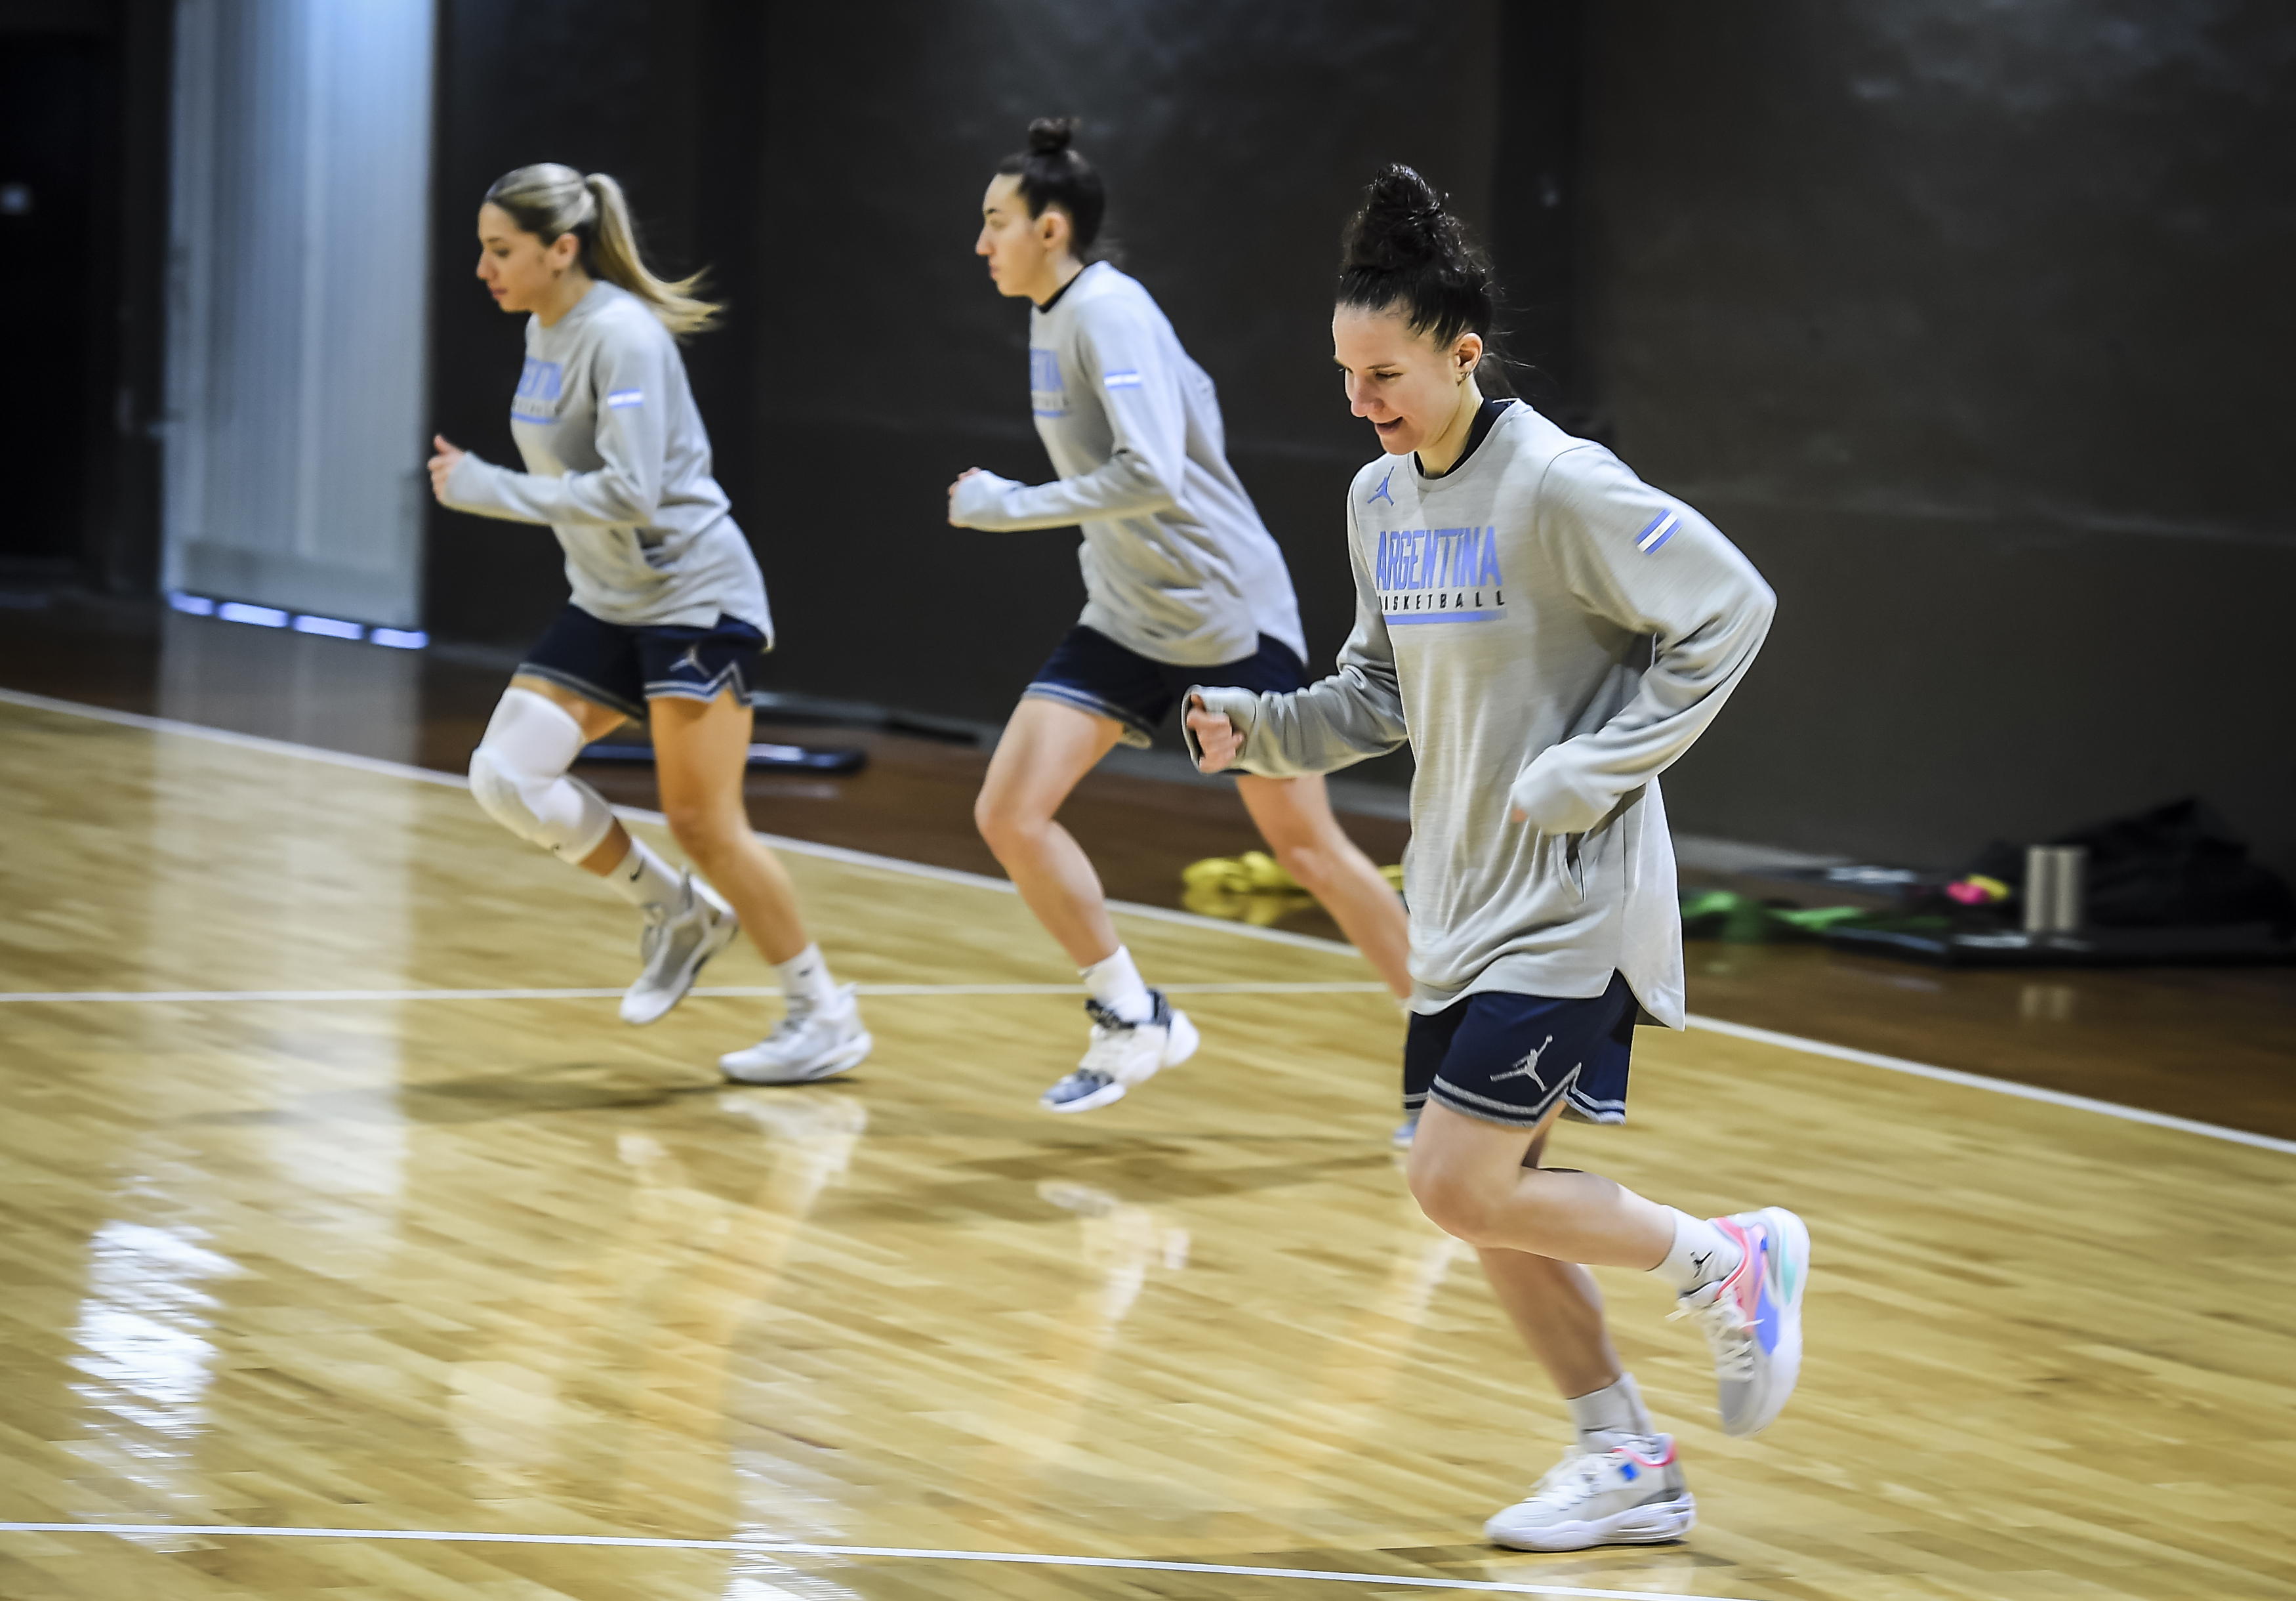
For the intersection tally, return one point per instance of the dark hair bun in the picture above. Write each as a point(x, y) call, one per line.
point(1050, 135)
point(1053, 173)
point(1404, 252)
point(1402, 224)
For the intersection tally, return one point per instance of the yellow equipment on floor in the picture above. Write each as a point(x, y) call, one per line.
point(1252, 887)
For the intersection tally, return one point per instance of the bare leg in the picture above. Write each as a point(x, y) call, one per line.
point(1471, 1180)
point(1558, 1310)
point(1556, 1306)
point(700, 753)
point(1046, 749)
point(1295, 819)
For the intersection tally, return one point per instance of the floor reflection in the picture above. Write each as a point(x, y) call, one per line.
point(143, 1346)
point(617, 1387)
point(763, 1579)
point(1031, 1427)
point(1342, 1401)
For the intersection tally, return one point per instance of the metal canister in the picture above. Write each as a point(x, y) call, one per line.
point(2056, 889)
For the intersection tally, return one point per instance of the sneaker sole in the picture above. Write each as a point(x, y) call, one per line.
point(1106, 1094)
point(845, 1058)
point(1645, 1525)
point(1792, 1235)
point(636, 1012)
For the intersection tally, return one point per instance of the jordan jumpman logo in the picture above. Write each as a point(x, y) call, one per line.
point(1528, 1068)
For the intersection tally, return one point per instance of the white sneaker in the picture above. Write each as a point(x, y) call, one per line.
point(677, 941)
point(1122, 1054)
point(1630, 1494)
point(811, 1042)
point(1753, 1319)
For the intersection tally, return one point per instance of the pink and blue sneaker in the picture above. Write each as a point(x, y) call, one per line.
point(1609, 1489)
point(1751, 1317)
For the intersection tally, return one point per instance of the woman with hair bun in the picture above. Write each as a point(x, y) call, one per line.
point(1550, 634)
point(1183, 583)
point(667, 620)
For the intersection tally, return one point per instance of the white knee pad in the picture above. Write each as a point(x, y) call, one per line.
point(518, 773)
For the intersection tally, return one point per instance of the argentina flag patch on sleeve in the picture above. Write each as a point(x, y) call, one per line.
point(622, 399)
point(1659, 529)
point(1128, 379)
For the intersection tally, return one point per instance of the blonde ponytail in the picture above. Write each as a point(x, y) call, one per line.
point(613, 252)
point(548, 199)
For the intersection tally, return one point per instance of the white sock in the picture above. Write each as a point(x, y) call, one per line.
point(1616, 1408)
point(805, 979)
point(1115, 984)
point(644, 879)
point(1701, 1254)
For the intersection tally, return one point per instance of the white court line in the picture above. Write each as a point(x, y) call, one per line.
point(761, 1548)
point(65, 998)
point(891, 863)
point(828, 853)
point(2004, 1087)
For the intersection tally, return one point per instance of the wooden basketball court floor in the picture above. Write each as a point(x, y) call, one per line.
point(353, 1249)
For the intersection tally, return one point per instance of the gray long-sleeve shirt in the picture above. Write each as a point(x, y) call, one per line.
point(1178, 565)
point(1549, 633)
point(619, 464)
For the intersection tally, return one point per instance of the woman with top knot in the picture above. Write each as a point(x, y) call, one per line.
point(1183, 585)
point(1549, 633)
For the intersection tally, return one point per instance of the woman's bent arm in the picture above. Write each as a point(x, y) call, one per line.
point(1651, 565)
point(633, 440)
point(1355, 713)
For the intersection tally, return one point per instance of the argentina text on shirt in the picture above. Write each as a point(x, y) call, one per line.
point(539, 388)
point(1439, 574)
point(1047, 395)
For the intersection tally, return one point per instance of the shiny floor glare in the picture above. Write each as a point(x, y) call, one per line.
point(510, 1267)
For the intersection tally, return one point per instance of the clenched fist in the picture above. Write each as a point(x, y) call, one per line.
point(1215, 736)
point(442, 465)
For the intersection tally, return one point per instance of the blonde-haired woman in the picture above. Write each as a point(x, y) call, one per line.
point(668, 620)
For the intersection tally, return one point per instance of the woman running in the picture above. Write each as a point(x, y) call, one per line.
point(1549, 633)
point(1184, 586)
point(668, 620)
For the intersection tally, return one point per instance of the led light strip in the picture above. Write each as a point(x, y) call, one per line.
point(301, 622)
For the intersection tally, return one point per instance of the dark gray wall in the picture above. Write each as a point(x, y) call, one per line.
point(1232, 139)
point(84, 121)
point(1965, 321)
point(1971, 324)
point(665, 96)
point(829, 163)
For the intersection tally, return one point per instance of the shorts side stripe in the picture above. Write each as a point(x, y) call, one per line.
point(687, 689)
point(580, 686)
point(1468, 1103)
point(1084, 700)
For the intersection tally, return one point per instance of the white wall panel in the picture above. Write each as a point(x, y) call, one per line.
point(299, 256)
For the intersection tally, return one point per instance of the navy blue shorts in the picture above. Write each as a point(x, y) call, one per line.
point(624, 667)
point(1092, 673)
point(1503, 1058)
